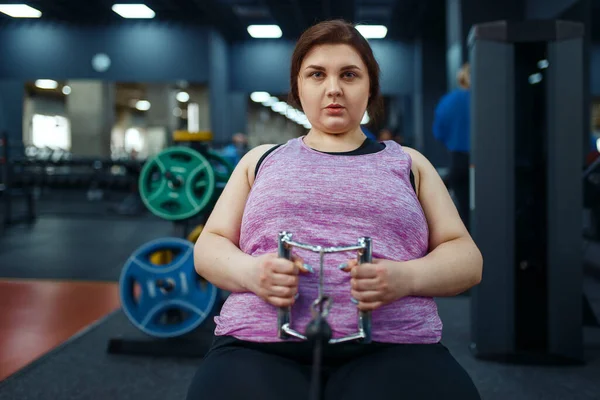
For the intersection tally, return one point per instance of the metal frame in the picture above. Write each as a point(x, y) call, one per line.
point(284, 314)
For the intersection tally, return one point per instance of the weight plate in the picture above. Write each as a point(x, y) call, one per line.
point(177, 183)
point(221, 167)
point(195, 234)
point(165, 300)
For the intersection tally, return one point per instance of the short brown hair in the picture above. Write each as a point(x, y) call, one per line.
point(337, 32)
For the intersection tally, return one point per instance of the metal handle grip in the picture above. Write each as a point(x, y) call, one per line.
point(364, 317)
point(284, 314)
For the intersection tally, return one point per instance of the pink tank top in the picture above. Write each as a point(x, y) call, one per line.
point(332, 200)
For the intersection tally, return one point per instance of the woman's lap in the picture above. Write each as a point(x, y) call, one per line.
point(232, 373)
point(413, 371)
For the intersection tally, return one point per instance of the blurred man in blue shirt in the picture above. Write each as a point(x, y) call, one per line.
point(234, 151)
point(451, 126)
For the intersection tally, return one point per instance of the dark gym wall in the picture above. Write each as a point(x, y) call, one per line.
point(11, 111)
point(261, 65)
point(595, 70)
point(139, 51)
point(429, 87)
point(264, 65)
point(219, 87)
point(546, 9)
point(460, 18)
point(581, 11)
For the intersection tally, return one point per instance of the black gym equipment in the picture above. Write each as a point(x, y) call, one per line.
point(12, 190)
point(526, 191)
point(591, 198)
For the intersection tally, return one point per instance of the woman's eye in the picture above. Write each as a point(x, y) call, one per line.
point(316, 74)
point(349, 75)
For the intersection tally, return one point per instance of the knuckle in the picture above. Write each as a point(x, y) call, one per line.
point(263, 278)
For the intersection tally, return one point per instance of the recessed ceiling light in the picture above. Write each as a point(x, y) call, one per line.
point(20, 11)
point(46, 84)
point(260, 97)
point(183, 97)
point(133, 11)
point(372, 31)
point(265, 31)
point(142, 105)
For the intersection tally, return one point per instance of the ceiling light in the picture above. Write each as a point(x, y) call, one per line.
point(372, 31)
point(365, 119)
point(142, 105)
point(269, 102)
point(543, 64)
point(260, 97)
point(46, 84)
point(264, 31)
point(280, 106)
point(133, 10)
point(535, 78)
point(20, 11)
point(66, 90)
point(598, 144)
point(183, 97)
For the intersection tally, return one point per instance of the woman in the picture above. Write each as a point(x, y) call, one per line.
point(329, 188)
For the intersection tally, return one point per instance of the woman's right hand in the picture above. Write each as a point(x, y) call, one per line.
point(275, 279)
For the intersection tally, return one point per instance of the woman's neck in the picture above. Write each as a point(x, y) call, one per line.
point(339, 142)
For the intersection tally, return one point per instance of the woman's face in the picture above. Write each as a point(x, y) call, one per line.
point(333, 86)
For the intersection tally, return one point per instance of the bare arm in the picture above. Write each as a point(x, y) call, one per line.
point(454, 263)
point(217, 256)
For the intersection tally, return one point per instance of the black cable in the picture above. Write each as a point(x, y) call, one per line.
point(319, 333)
point(315, 380)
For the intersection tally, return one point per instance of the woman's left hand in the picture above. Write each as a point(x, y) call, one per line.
point(379, 282)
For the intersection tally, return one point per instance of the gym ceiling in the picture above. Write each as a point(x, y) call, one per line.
point(403, 18)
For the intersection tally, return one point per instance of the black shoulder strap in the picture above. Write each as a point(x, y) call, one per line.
point(262, 158)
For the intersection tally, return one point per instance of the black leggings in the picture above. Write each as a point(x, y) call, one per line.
point(234, 369)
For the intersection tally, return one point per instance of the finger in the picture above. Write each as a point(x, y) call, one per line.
point(369, 306)
point(368, 296)
point(284, 292)
point(280, 301)
point(302, 266)
point(285, 266)
point(364, 284)
point(284, 280)
point(348, 265)
point(364, 271)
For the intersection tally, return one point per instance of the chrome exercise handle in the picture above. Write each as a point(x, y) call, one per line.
point(284, 317)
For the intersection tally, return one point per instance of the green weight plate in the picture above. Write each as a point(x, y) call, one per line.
point(177, 183)
point(221, 167)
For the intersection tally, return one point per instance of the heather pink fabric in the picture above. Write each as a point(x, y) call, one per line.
point(332, 200)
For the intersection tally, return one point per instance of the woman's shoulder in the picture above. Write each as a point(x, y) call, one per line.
point(418, 163)
point(252, 158)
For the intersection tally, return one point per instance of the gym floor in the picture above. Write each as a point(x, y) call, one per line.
point(59, 308)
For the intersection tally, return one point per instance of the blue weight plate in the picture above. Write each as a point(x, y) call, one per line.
point(165, 300)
